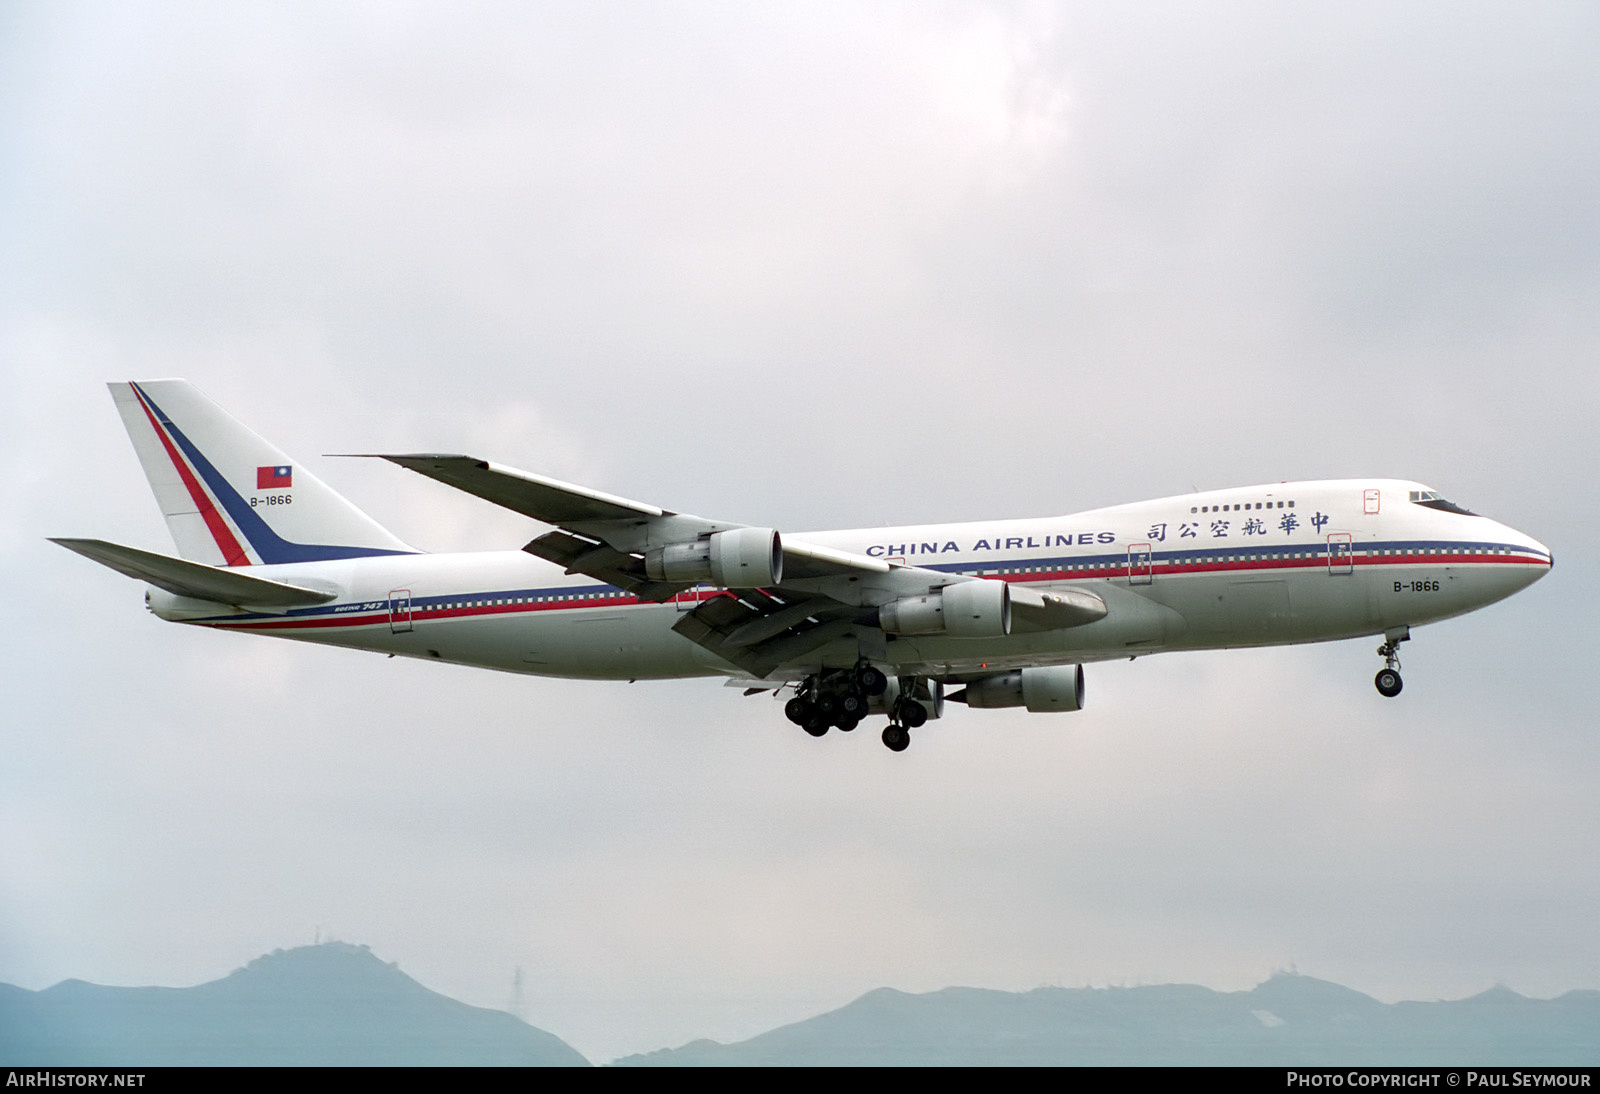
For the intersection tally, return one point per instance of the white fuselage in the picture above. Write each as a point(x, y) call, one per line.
point(1255, 566)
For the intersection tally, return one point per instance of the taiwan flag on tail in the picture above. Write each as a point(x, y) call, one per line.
point(273, 478)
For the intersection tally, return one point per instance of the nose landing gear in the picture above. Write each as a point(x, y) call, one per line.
point(1388, 680)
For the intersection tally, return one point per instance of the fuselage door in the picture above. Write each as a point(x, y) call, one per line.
point(1369, 502)
point(1341, 553)
point(1140, 571)
point(399, 611)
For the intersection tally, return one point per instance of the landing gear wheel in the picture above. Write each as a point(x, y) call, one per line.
point(896, 738)
point(848, 724)
point(911, 713)
point(816, 729)
point(852, 704)
point(799, 711)
point(871, 681)
point(1388, 679)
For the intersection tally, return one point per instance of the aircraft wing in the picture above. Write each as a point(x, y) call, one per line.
point(763, 630)
point(543, 499)
point(821, 593)
point(603, 530)
point(601, 534)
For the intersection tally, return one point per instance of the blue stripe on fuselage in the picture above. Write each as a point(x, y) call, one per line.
point(1087, 568)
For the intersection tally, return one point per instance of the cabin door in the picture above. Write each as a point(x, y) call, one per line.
point(1341, 553)
point(399, 611)
point(1139, 564)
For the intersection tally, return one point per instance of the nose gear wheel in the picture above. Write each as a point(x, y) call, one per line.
point(1388, 680)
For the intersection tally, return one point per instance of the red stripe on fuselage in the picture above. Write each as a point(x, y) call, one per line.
point(418, 614)
point(1100, 571)
point(231, 551)
point(421, 614)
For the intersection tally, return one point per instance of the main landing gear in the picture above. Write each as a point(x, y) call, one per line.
point(906, 714)
point(1388, 680)
point(840, 698)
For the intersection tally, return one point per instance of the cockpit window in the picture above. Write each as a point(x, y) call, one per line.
point(1432, 499)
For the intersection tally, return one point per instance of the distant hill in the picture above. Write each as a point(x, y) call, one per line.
point(337, 1004)
point(333, 1004)
point(1287, 1021)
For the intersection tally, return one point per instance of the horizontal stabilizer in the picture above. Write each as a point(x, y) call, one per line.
point(183, 578)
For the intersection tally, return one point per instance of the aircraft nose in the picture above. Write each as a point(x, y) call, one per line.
point(1537, 556)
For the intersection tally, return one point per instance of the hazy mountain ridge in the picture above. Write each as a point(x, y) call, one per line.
point(333, 1004)
point(1288, 1020)
point(338, 1004)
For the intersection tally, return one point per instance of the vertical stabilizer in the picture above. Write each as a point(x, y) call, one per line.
point(231, 498)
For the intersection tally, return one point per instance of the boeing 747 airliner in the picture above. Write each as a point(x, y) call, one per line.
point(894, 622)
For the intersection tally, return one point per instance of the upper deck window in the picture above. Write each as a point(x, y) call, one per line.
point(1432, 499)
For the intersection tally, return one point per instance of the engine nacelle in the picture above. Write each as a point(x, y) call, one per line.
point(740, 558)
point(1041, 690)
point(970, 609)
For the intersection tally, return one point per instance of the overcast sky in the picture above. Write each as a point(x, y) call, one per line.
point(807, 266)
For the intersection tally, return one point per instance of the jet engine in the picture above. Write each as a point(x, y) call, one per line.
point(740, 558)
point(970, 609)
point(1050, 688)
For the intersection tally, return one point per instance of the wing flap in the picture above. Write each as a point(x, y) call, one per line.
point(195, 579)
point(760, 632)
point(577, 555)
